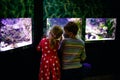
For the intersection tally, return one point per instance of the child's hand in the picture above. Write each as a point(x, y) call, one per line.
point(61, 38)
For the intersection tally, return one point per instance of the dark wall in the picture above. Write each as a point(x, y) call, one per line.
point(22, 63)
point(104, 57)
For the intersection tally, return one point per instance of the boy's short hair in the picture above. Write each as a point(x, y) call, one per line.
point(71, 27)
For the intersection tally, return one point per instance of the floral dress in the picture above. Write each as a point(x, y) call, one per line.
point(49, 65)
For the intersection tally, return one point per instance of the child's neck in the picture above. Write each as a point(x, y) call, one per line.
point(73, 37)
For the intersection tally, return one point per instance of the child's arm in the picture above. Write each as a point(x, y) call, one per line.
point(39, 46)
point(83, 55)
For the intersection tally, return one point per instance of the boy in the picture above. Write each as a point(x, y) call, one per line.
point(73, 53)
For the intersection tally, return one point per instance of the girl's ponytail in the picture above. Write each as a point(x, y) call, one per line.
point(56, 32)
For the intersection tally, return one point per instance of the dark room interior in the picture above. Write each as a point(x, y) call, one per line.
point(23, 63)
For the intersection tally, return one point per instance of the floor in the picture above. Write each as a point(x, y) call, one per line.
point(103, 77)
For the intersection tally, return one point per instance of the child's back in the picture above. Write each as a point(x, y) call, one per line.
point(73, 53)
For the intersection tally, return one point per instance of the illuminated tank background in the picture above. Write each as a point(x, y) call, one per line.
point(75, 9)
point(55, 9)
point(15, 9)
point(62, 22)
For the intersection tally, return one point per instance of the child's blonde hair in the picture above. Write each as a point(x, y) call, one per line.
point(56, 32)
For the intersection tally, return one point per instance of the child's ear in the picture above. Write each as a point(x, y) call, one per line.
point(70, 33)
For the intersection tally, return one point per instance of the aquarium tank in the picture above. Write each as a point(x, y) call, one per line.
point(100, 29)
point(15, 32)
point(62, 22)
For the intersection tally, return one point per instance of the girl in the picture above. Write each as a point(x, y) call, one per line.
point(50, 65)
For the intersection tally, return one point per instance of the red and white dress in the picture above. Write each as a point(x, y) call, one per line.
point(49, 65)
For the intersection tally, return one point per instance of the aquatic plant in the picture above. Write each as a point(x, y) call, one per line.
point(16, 8)
point(73, 9)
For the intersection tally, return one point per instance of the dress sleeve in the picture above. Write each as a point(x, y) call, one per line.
point(39, 45)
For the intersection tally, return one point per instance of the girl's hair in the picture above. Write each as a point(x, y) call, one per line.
point(56, 32)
